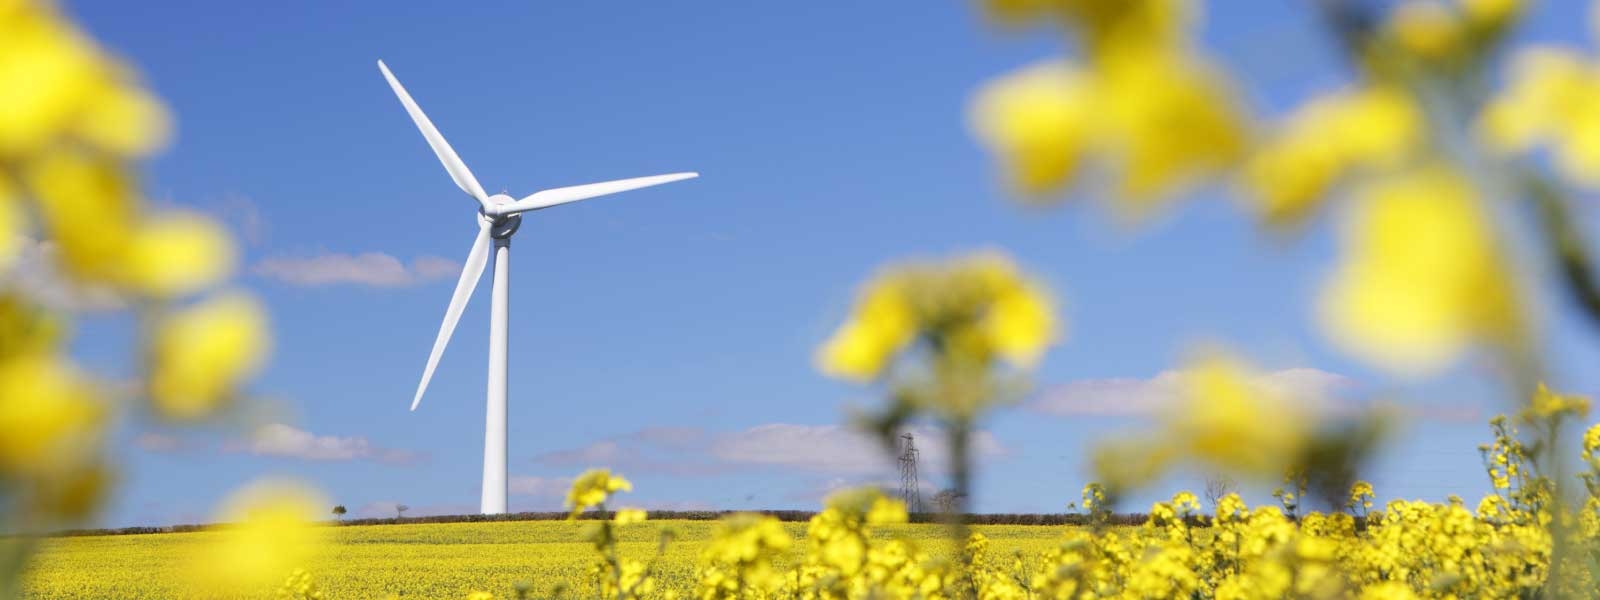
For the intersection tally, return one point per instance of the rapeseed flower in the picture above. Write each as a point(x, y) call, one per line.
point(1422, 277)
point(268, 535)
point(593, 488)
point(201, 354)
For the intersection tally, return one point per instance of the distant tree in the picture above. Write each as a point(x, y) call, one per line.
point(1218, 486)
point(400, 511)
point(339, 512)
point(948, 500)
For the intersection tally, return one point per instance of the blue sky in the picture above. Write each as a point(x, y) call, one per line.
point(668, 332)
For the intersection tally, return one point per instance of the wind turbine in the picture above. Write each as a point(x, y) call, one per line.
point(498, 218)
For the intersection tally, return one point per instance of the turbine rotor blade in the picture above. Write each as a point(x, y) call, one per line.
point(563, 195)
point(447, 156)
point(471, 271)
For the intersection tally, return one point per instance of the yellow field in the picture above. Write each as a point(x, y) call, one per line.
point(445, 560)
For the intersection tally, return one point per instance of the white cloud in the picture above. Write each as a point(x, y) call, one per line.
point(1129, 397)
point(284, 441)
point(539, 487)
point(823, 449)
point(34, 272)
point(832, 448)
point(374, 269)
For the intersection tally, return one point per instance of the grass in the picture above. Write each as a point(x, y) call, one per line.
point(424, 560)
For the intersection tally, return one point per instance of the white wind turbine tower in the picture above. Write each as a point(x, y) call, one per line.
point(498, 218)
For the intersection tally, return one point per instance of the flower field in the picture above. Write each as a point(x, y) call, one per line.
point(436, 560)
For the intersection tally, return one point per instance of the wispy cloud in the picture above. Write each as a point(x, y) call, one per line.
point(538, 487)
point(284, 441)
point(1132, 397)
point(373, 269)
point(242, 214)
point(817, 449)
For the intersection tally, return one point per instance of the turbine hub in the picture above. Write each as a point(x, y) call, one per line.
point(505, 226)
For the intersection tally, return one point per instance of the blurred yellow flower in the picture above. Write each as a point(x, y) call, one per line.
point(1546, 404)
point(1157, 119)
point(1105, 25)
point(629, 516)
point(1427, 28)
point(178, 254)
point(1422, 275)
point(882, 325)
point(1039, 122)
point(1549, 100)
point(123, 120)
point(1227, 419)
point(1492, 13)
point(50, 417)
point(973, 309)
point(1172, 118)
point(201, 354)
point(11, 223)
point(47, 72)
point(268, 535)
point(1329, 137)
point(886, 511)
point(593, 488)
point(1021, 323)
point(745, 537)
point(87, 205)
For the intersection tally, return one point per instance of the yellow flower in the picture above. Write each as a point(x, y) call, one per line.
point(480, 596)
point(739, 556)
point(123, 120)
point(1021, 323)
point(629, 516)
point(593, 487)
point(1159, 119)
point(1326, 139)
point(1591, 443)
point(1550, 100)
point(178, 254)
point(1390, 590)
point(881, 326)
point(973, 309)
point(11, 223)
point(886, 511)
point(1427, 28)
point(201, 354)
point(50, 418)
point(1039, 121)
point(1376, 126)
point(1492, 14)
point(1106, 25)
point(268, 534)
point(47, 72)
point(1231, 421)
point(1421, 275)
point(87, 205)
point(1173, 119)
point(1547, 404)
